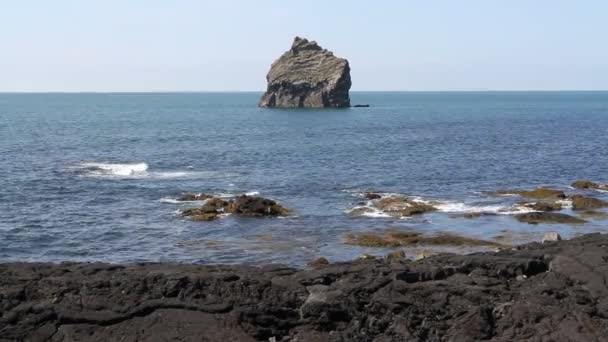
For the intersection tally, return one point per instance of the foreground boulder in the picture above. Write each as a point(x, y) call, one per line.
point(538, 292)
point(244, 205)
point(307, 76)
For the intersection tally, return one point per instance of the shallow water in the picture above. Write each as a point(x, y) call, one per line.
point(94, 176)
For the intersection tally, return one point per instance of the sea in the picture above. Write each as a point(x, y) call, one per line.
point(95, 176)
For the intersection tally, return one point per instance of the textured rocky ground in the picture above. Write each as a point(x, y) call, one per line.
point(551, 292)
point(307, 76)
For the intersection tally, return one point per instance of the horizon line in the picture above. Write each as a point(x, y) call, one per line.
point(262, 91)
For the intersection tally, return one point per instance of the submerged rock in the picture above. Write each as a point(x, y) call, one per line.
point(475, 214)
point(307, 76)
point(205, 217)
point(536, 193)
point(400, 238)
point(543, 206)
point(580, 202)
point(594, 214)
point(545, 217)
point(587, 184)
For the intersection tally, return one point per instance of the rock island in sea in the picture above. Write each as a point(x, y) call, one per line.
point(307, 76)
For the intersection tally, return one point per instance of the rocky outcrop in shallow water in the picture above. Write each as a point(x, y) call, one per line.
point(587, 184)
point(538, 292)
point(580, 202)
point(307, 76)
point(244, 205)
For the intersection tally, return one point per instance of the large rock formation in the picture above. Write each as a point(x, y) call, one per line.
point(307, 76)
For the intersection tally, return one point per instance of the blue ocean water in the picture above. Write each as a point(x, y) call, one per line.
point(94, 176)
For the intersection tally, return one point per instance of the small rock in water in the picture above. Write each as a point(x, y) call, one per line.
point(551, 236)
point(587, 184)
point(372, 196)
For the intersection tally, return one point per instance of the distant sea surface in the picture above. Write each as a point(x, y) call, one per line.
point(94, 177)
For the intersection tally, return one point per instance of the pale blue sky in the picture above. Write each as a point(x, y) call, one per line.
point(188, 45)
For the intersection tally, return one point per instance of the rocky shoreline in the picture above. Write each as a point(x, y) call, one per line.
point(552, 291)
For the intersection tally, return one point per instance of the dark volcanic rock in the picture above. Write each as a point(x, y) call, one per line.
point(538, 292)
point(307, 76)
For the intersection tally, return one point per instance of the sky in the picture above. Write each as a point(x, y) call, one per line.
point(198, 45)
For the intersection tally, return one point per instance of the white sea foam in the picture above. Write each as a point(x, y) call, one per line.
point(169, 200)
point(376, 213)
point(139, 170)
point(114, 169)
point(460, 207)
point(565, 203)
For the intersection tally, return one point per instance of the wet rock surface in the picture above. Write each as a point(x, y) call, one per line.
point(307, 76)
point(554, 291)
